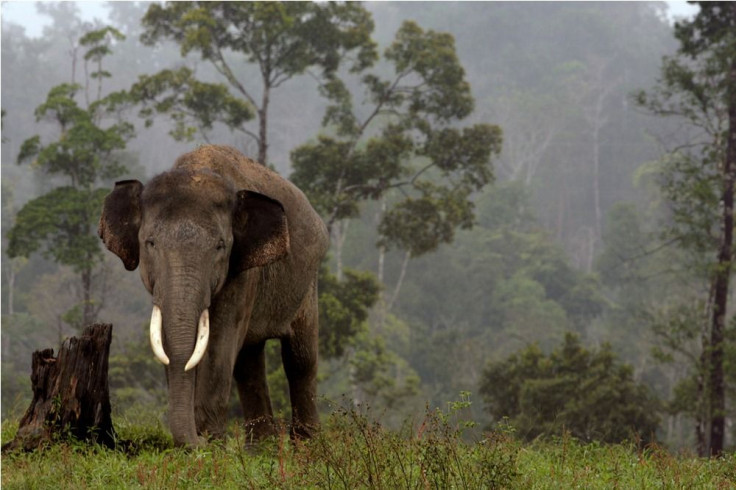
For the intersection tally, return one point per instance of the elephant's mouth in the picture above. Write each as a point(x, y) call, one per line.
point(203, 335)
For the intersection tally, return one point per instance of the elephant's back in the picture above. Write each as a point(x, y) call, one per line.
point(245, 173)
point(235, 167)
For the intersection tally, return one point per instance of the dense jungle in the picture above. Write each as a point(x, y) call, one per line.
point(530, 203)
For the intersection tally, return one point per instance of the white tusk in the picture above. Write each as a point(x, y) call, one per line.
point(156, 343)
point(203, 335)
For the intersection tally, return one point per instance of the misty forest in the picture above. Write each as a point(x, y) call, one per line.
point(530, 204)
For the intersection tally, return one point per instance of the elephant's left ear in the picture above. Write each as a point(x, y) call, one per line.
point(120, 220)
point(260, 232)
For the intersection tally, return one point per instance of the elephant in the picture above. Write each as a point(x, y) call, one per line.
point(230, 253)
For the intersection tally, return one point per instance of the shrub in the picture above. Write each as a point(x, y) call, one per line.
point(586, 392)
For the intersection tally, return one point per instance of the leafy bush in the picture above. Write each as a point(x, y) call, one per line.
point(588, 393)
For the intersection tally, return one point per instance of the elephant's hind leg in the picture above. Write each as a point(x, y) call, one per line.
point(250, 376)
point(299, 354)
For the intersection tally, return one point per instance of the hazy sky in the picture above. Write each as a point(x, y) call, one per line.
point(24, 13)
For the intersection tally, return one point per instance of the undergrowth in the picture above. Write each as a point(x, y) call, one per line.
point(352, 451)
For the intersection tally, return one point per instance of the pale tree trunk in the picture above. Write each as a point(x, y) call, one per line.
point(526, 138)
point(381, 263)
point(399, 282)
point(597, 174)
point(357, 394)
point(339, 233)
point(596, 87)
point(602, 87)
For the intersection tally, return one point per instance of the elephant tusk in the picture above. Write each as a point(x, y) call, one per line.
point(203, 335)
point(156, 343)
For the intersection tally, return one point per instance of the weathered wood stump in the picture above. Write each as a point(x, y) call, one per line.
point(71, 396)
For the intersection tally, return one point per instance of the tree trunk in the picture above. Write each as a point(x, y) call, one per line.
point(340, 232)
point(596, 173)
point(399, 282)
point(70, 393)
point(263, 124)
point(717, 391)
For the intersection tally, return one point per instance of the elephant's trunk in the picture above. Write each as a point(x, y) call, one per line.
point(184, 321)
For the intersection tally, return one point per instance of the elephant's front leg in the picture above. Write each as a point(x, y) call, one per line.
point(213, 388)
point(211, 404)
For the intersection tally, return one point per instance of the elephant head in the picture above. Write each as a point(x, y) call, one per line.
point(189, 231)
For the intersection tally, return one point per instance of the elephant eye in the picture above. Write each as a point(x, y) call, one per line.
point(149, 243)
point(221, 245)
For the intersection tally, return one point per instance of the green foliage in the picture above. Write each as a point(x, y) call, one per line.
point(420, 224)
point(497, 288)
point(192, 105)
point(698, 87)
point(289, 36)
point(587, 393)
point(710, 33)
point(284, 39)
point(380, 376)
point(404, 143)
point(84, 152)
point(62, 222)
point(99, 46)
point(622, 264)
point(343, 308)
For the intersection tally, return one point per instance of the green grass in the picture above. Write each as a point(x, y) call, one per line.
point(353, 452)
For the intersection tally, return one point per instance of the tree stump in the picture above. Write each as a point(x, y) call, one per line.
point(71, 396)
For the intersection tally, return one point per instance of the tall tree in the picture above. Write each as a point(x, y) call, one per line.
point(403, 139)
point(62, 222)
point(699, 86)
point(282, 39)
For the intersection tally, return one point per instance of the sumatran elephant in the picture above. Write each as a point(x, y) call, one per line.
point(230, 253)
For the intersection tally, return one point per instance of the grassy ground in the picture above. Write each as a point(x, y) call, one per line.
point(353, 452)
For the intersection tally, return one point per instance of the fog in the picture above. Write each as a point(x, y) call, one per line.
point(540, 260)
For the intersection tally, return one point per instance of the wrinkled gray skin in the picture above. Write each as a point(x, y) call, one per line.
point(223, 233)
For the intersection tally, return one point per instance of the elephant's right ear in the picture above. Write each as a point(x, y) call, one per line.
point(120, 220)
